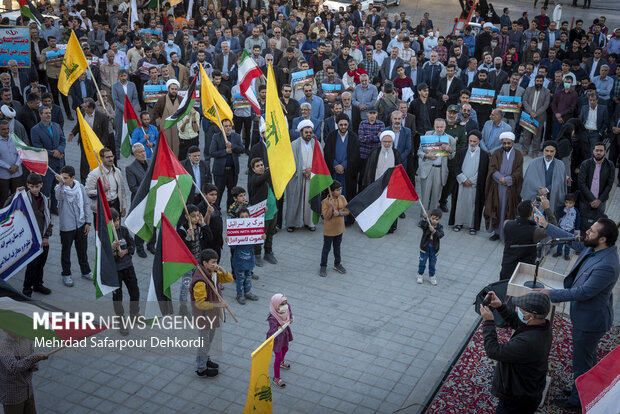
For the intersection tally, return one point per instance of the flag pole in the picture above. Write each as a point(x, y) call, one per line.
point(97, 87)
point(201, 193)
point(105, 180)
point(428, 219)
point(281, 329)
point(189, 222)
point(55, 350)
point(215, 290)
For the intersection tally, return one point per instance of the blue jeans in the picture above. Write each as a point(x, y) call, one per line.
point(566, 248)
point(432, 260)
point(593, 138)
point(244, 281)
point(327, 246)
point(585, 345)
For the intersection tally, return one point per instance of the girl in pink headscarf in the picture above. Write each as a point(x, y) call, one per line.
point(279, 314)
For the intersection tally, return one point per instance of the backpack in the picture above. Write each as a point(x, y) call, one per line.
point(386, 106)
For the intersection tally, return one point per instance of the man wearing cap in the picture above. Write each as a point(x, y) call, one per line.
point(298, 211)
point(546, 176)
point(369, 136)
point(492, 132)
point(166, 106)
point(433, 168)
point(588, 288)
point(503, 186)
point(458, 131)
point(342, 156)
point(521, 370)
point(119, 90)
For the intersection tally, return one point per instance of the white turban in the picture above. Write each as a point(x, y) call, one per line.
point(487, 24)
point(171, 81)
point(8, 111)
point(507, 135)
point(384, 133)
point(306, 123)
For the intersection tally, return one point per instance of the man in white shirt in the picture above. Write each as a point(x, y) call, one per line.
point(379, 54)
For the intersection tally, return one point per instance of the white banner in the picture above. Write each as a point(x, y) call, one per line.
point(241, 231)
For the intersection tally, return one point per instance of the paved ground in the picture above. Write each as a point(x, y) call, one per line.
point(368, 341)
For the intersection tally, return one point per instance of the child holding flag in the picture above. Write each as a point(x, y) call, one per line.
point(279, 314)
point(334, 210)
point(432, 231)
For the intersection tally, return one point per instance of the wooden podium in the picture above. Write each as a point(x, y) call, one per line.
point(524, 272)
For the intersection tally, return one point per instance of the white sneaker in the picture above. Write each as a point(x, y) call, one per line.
point(420, 279)
point(67, 280)
point(433, 280)
point(88, 276)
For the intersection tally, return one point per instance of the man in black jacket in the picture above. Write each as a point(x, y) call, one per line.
point(259, 190)
point(425, 109)
point(593, 194)
point(521, 370)
point(199, 170)
point(135, 174)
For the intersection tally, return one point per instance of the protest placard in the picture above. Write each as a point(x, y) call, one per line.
point(20, 239)
point(432, 144)
point(239, 102)
point(331, 90)
point(242, 231)
point(153, 92)
point(508, 104)
point(258, 210)
point(15, 46)
point(482, 96)
point(529, 123)
point(301, 78)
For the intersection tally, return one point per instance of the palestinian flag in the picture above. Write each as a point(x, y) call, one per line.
point(105, 274)
point(28, 10)
point(35, 159)
point(380, 204)
point(158, 193)
point(247, 72)
point(130, 122)
point(18, 313)
point(320, 179)
point(171, 261)
point(186, 105)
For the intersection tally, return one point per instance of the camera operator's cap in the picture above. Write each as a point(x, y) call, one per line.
point(534, 302)
point(507, 135)
point(422, 86)
point(453, 108)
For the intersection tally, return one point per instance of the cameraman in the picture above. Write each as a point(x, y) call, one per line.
point(523, 230)
point(521, 370)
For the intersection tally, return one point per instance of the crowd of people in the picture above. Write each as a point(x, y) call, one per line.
point(371, 88)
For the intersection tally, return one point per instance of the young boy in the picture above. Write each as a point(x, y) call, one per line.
point(33, 280)
point(243, 263)
point(213, 218)
point(260, 189)
point(73, 213)
point(429, 245)
point(123, 249)
point(239, 197)
point(196, 234)
point(334, 210)
point(204, 300)
point(569, 219)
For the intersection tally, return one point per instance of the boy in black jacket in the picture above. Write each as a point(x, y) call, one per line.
point(259, 190)
point(429, 245)
point(213, 217)
point(123, 249)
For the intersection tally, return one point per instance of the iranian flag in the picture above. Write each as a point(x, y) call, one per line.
point(28, 10)
point(171, 261)
point(105, 273)
point(248, 71)
point(380, 204)
point(599, 388)
point(184, 107)
point(159, 193)
point(130, 122)
point(18, 313)
point(35, 159)
point(320, 179)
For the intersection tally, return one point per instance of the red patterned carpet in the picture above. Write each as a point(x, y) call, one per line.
point(467, 388)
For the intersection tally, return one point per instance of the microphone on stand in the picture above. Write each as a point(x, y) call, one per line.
point(569, 239)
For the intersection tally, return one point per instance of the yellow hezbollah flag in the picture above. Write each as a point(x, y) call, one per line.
point(259, 392)
point(90, 142)
point(279, 151)
point(73, 64)
point(206, 100)
point(223, 109)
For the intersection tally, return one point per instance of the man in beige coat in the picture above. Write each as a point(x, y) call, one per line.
point(164, 107)
point(112, 181)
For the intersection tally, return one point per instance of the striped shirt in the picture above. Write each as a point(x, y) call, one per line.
point(368, 135)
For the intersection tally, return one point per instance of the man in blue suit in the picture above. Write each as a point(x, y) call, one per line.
point(119, 90)
point(225, 153)
point(588, 288)
point(48, 135)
